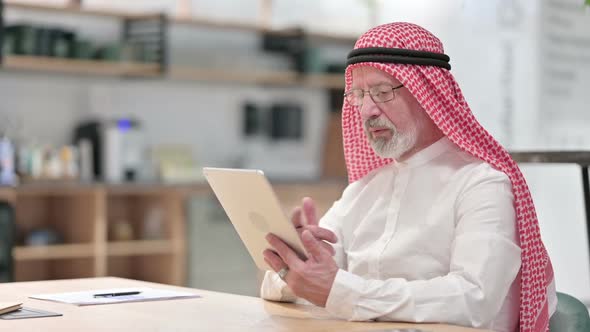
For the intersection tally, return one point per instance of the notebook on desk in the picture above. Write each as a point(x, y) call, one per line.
point(119, 295)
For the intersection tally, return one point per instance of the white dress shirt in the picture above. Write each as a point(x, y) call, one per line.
point(430, 239)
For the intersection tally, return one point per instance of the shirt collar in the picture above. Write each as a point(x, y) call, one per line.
point(427, 154)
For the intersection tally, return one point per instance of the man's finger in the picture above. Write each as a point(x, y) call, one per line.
point(272, 259)
point(323, 234)
point(328, 247)
point(322, 237)
point(296, 217)
point(313, 247)
point(285, 252)
point(309, 211)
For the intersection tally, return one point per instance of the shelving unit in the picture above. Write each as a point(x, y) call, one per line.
point(102, 68)
point(131, 23)
point(83, 67)
point(84, 215)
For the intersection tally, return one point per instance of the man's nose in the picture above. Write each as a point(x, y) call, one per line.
point(369, 109)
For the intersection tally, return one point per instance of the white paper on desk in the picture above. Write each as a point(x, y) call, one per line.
point(87, 297)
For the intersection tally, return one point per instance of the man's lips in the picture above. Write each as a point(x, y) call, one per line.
point(380, 132)
point(377, 130)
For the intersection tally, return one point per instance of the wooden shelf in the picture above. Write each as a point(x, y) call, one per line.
point(78, 10)
point(82, 213)
point(140, 248)
point(217, 24)
point(333, 81)
point(85, 67)
point(58, 251)
point(72, 188)
point(219, 75)
point(122, 69)
point(147, 189)
point(257, 77)
point(66, 189)
point(103, 68)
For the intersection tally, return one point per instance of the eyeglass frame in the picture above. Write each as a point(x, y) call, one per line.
point(371, 95)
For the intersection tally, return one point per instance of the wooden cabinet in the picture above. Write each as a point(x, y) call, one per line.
point(85, 219)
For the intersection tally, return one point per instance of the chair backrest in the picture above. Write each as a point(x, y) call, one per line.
point(571, 315)
point(7, 234)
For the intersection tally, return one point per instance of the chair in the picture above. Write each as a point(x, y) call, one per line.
point(7, 233)
point(571, 315)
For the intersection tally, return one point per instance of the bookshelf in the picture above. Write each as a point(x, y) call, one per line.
point(83, 216)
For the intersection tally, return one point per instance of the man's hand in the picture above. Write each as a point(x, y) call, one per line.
point(311, 279)
point(310, 223)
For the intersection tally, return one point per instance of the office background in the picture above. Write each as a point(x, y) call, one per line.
point(225, 98)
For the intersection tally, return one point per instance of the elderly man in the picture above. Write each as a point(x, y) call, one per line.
point(437, 223)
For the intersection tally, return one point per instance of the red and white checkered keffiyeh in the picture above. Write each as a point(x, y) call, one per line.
point(439, 94)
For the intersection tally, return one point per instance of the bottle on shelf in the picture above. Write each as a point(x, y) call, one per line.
point(7, 171)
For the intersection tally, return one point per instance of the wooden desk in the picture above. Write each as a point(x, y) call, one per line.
point(213, 312)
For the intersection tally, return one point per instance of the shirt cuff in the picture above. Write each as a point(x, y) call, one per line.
point(344, 295)
point(273, 288)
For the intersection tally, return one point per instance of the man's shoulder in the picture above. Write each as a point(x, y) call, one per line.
point(479, 181)
point(470, 171)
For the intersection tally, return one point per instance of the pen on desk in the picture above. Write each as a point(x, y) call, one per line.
point(116, 294)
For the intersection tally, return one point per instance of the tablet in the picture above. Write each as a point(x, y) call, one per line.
point(254, 210)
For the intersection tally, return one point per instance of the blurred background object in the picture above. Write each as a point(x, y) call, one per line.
point(7, 240)
point(118, 146)
point(175, 164)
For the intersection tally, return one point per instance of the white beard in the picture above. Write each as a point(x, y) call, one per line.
point(398, 145)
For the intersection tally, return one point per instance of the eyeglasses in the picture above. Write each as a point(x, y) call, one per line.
point(379, 94)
